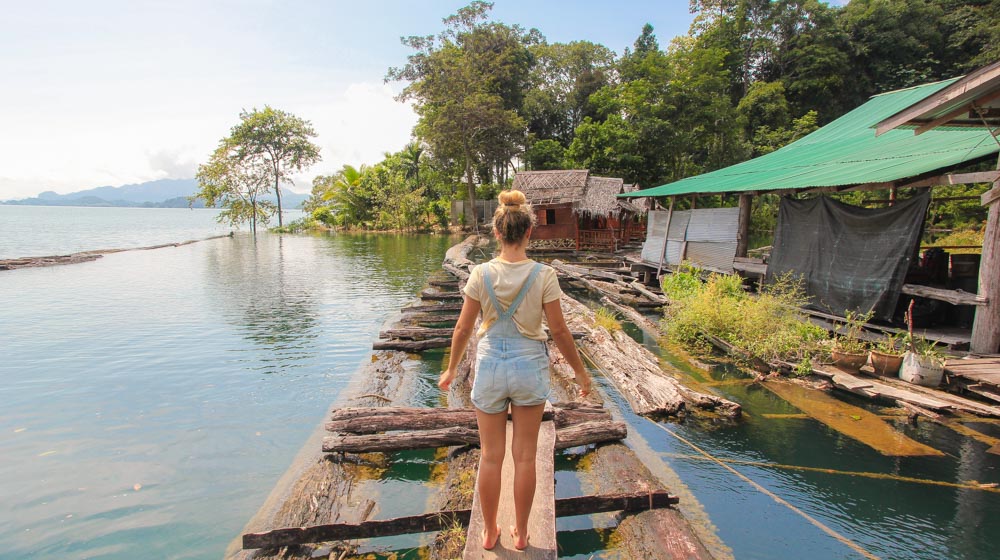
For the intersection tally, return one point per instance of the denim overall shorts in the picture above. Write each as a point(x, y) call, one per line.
point(510, 367)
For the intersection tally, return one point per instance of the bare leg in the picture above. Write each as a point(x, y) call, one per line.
point(492, 442)
point(527, 421)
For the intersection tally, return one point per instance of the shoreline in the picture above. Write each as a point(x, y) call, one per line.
point(88, 256)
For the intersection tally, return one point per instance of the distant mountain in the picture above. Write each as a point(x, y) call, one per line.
point(164, 193)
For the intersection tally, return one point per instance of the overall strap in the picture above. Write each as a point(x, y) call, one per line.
point(509, 312)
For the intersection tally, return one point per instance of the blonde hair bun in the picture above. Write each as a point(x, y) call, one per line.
point(512, 198)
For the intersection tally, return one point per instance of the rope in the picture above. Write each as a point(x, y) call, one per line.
point(857, 548)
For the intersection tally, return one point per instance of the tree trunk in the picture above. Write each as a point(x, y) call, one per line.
point(277, 192)
point(470, 215)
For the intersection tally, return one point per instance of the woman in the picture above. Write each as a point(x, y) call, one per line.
point(512, 362)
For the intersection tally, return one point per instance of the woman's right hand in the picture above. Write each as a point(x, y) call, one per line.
point(444, 382)
point(583, 380)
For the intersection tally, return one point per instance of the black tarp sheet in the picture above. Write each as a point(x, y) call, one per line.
point(849, 258)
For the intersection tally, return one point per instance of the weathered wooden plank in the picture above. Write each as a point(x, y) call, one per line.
point(954, 297)
point(854, 422)
point(629, 503)
point(435, 295)
point(440, 520)
point(377, 411)
point(542, 522)
point(590, 432)
point(417, 333)
point(434, 308)
point(445, 418)
point(411, 345)
point(399, 441)
point(427, 522)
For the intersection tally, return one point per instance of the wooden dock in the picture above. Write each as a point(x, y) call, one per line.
point(542, 521)
point(977, 375)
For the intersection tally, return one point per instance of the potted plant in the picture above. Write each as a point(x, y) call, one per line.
point(850, 351)
point(887, 355)
point(923, 362)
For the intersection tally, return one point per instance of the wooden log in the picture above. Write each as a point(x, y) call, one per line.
point(435, 295)
point(571, 416)
point(412, 345)
point(570, 436)
point(637, 319)
point(986, 325)
point(590, 432)
point(428, 320)
point(417, 333)
point(440, 418)
point(434, 308)
point(628, 503)
point(453, 284)
point(417, 412)
point(440, 520)
point(655, 298)
point(399, 441)
point(636, 371)
point(423, 523)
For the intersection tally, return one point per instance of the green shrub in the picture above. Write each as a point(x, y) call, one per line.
point(768, 325)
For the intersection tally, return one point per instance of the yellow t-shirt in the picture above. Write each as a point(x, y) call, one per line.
point(507, 280)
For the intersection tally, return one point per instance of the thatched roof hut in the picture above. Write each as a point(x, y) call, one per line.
point(587, 194)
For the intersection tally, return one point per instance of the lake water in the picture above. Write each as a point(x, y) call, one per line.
point(152, 399)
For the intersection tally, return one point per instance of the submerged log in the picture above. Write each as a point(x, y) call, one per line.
point(412, 345)
point(440, 520)
point(637, 372)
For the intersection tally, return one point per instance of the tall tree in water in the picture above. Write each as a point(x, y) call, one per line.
point(276, 140)
point(236, 185)
point(467, 85)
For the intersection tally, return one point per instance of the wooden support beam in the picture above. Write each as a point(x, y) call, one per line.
point(440, 520)
point(666, 237)
point(954, 297)
point(743, 228)
point(986, 325)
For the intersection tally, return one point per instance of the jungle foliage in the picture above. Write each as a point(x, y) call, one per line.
point(749, 77)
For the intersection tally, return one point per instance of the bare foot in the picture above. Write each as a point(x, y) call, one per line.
point(490, 541)
point(519, 543)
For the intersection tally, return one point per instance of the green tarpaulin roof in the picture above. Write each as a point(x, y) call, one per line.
point(846, 152)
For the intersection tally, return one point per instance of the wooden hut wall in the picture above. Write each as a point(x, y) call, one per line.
point(554, 221)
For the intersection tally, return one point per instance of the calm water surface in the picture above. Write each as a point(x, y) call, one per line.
point(33, 231)
point(151, 399)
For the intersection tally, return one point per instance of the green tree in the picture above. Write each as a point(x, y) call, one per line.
point(467, 85)
point(277, 140)
point(545, 154)
point(237, 186)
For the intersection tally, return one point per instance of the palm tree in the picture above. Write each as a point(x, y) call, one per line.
point(347, 194)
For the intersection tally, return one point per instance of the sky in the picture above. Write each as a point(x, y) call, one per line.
point(117, 92)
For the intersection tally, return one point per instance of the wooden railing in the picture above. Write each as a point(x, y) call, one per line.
point(596, 239)
point(633, 232)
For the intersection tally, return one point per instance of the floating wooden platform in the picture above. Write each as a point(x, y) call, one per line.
point(980, 376)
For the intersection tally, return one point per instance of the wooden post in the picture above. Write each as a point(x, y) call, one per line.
point(666, 237)
point(892, 195)
point(986, 325)
point(743, 230)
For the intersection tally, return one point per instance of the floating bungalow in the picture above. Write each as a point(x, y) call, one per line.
point(579, 211)
point(852, 257)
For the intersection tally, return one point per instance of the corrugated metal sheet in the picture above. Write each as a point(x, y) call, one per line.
point(714, 224)
point(846, 152)
point(713, 256)
point(710, 234)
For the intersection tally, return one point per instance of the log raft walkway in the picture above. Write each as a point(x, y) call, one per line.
point(383, 429)
point(87, 256)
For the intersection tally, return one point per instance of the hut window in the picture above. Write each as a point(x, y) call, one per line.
point(550, 216)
